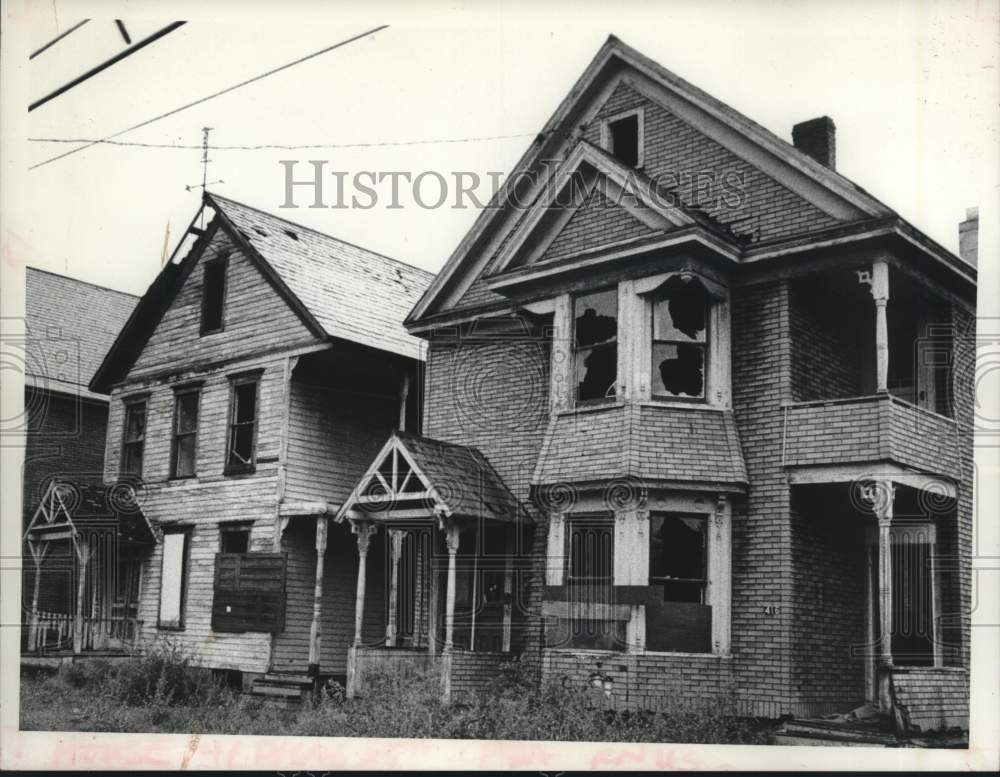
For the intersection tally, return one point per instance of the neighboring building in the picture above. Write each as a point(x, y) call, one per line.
point(259, 374)
point(699, 418)
point(69, 327)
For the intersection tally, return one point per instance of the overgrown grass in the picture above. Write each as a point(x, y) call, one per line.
point(162, 692)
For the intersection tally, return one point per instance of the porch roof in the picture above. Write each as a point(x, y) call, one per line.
point(67, 508)
point(441, 477)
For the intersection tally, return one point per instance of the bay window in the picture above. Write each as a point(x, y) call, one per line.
point(595, 345)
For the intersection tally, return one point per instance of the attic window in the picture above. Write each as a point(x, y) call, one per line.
point(213, 295)
point(623, 137)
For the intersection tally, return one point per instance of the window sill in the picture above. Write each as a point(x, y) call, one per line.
point(637, 653)
point(237, 473)
point(162, 627)
point(207, 332)
point(181, 478)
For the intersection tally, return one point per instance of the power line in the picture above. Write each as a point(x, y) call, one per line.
point(285, 147)
point(216, 94)
point(58, 38)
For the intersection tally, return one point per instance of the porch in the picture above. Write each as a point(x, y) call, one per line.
point(453, 538)
point(85, 543)
point(876, 600)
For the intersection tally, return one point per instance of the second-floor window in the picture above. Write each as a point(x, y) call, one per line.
point(135, 437)
point(680, 313)
point(185, 437)
point(213, 295)
point(241, 450)
point(595, 344)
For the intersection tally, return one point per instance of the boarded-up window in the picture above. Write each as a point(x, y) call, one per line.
point(249, 592)
point(213, 295)
point(679, 337)
point(241, 455)
point(185, 442)
point(135, 437)
point(596, 345)
point(173, 570)
point(678, 565)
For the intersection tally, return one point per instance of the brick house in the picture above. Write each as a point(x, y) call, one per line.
point(698, 426)
point(70, 325)
point(263, 367)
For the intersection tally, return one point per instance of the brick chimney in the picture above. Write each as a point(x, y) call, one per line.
point(818, 139)
point(968, 237)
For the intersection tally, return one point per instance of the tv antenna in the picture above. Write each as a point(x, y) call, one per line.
point(205, 183)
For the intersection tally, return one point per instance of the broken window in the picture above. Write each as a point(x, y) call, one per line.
point(234, 538)
point(213, 295)
point(135, 437)
point(241, 456)
point(679, 620)
point(596, 345)
point(173, 570)
point(590, 584)
point(679, 336)
point(623, 139)
point(185, 442)
point(678, 556)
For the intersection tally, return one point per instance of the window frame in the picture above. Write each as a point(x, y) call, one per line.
point(655, 299)
point(235, 381)
point(607, 140)
point(705, 520)
point(187, 533)
point(129, 403)
point(180, 392)
point(222, 263)
point(576, 350)
point(235, 527)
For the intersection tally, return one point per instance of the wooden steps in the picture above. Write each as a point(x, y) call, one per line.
point(817, 732)
point(284, 689)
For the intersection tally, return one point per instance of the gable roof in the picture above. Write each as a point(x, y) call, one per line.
point(70, 325)
point(833, 192)
point(340, 290)
point(459, 480)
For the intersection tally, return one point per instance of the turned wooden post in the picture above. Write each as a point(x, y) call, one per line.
point(364, 532)
point(884, 494)
point(315, 629)
point(880, 293)
point(451, 541)
point(396, 550)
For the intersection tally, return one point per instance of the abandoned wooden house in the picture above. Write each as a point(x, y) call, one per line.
point(698, 416)
point(69, 326)
point(257, 376)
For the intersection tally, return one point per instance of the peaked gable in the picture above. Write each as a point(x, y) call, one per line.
point(256, 317)
point(599, 221)
point(819, 197)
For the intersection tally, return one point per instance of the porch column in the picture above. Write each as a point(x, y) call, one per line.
point(38, 556)
point(315, 630)
point(879, 283)
point(883, 495)
point(81, 587)
point(451, 541)
point(508, 587)
point(364, 531)
point(396, 549)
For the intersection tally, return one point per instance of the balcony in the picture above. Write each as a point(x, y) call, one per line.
point(870, 429)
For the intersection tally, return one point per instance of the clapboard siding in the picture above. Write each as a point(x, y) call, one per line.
point(333, 435)
point(213, 420)
point(202, 507)
point(257, 318)
point(291, 647)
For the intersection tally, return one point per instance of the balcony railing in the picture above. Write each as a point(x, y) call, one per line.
point(879, 428)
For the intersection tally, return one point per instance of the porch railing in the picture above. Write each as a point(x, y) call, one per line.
point(53, 632)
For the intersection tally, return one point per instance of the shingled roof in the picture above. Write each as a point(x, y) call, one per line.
point(341, 290)
point(353, 293)
point(460, 478)
point(656, 445)
point(71, 324)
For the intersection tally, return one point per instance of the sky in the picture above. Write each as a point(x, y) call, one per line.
point(911, 86)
